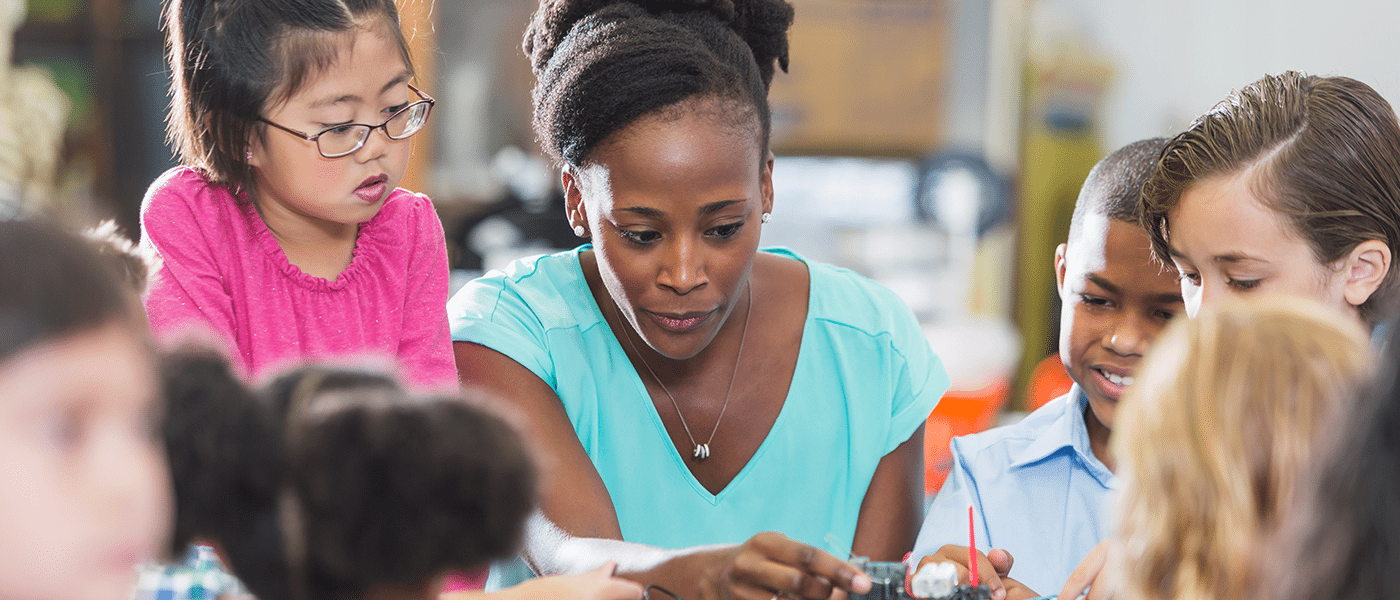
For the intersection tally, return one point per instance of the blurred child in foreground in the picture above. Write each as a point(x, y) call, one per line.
point(86, 493)
point(336, 484)
point(1216, 441)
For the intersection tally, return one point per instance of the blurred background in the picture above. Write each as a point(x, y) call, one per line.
point(936, 146)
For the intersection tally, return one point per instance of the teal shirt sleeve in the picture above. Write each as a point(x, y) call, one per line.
point(921, 381)
point(494, 311)
point(917, 377)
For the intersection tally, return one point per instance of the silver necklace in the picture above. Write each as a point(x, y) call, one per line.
point(701, 451)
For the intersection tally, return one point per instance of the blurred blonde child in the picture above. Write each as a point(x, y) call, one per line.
point(1213, 442)
point(1342, 538)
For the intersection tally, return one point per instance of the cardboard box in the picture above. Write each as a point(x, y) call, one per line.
point(867, 77)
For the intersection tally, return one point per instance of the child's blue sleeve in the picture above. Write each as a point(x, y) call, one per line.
point(946, 521)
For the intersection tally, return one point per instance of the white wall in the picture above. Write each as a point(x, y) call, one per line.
point(1177, 58)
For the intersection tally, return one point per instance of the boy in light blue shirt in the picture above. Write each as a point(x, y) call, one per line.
point(1042, 489)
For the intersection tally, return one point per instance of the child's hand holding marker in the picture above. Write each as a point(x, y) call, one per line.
point(974, 568)
point(992, 570)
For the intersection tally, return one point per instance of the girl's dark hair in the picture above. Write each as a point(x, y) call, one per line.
point(52, 285)
point(335, 482)
point(231, 59)
point(1343, 539)
point(1327, 154)
point(602, 64)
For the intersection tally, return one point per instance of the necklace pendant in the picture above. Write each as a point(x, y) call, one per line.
point(702, 451)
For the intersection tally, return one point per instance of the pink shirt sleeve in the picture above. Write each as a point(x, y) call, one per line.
point(189, 296)
point(425, 351)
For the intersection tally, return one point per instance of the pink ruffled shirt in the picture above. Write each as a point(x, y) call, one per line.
point(223, 273)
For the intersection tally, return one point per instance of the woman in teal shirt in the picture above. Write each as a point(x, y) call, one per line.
point(688, 394)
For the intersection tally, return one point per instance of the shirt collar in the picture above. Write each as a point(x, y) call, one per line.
point(1068, 431)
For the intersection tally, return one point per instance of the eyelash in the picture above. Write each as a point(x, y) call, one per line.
point(1243, 285)
point(1097, 302)
point(388, 111)
point(1094, 300)
point(636, 236)
point(648, 237)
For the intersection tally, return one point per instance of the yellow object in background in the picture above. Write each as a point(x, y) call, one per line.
point(1063, 92)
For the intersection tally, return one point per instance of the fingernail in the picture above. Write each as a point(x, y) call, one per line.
point(999, 594)
point(861, 583)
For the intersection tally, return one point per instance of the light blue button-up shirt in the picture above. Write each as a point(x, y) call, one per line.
point(1037, 490)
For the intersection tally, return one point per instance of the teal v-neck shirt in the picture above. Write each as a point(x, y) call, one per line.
point(865, 380)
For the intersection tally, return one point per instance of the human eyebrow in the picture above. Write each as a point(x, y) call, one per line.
point(645, 211)
point(1235, 258)
point(1103, 283)
point(1167, 299)
point(331, 100)
point(715, 207)
point(402, 78)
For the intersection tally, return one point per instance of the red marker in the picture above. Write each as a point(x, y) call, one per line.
point(971, 547)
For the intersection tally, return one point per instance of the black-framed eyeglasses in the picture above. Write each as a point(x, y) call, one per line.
point(344, 140)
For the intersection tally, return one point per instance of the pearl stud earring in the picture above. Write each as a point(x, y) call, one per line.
point(767, 217)
point(580, 231)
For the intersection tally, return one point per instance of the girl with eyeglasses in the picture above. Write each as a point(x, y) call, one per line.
point(284, 234)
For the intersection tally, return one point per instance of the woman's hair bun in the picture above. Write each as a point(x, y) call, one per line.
point(762, 24)
point(602, 64)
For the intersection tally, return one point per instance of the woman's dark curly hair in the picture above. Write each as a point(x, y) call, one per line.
point(602, 64)
point(335, 482)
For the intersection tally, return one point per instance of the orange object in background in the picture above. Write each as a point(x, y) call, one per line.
point(960, 412)
point(1048, 381)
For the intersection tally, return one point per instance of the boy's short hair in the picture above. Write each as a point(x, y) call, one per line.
point(1114, 187)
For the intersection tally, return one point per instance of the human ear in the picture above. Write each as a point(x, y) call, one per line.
point(1060, 270)
point(573, 201)
point(766, 184)
point(1365, 269)
point(254, 155)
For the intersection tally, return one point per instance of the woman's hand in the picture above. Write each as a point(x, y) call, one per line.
point(771, 565)
point(993, 569)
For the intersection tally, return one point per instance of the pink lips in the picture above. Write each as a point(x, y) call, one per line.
point(680, 324)
point(1112, 390)
point(372, 190)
